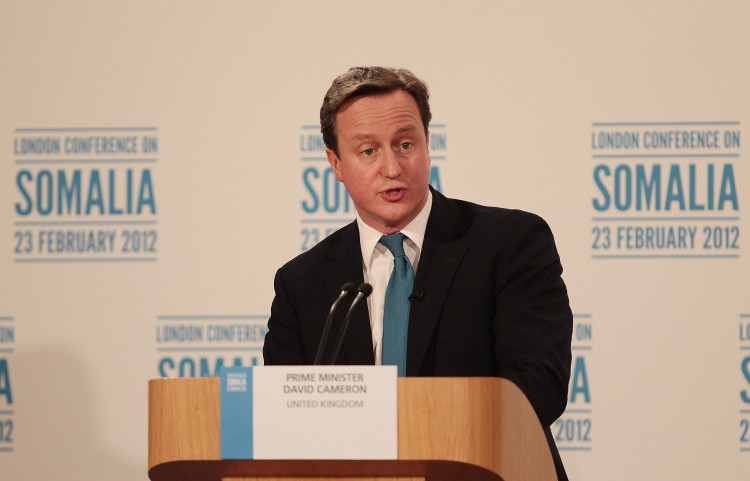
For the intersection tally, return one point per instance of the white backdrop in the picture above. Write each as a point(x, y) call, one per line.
point(160, 160)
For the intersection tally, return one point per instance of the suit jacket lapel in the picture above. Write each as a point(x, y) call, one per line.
point(346, 256)
point(442, 253)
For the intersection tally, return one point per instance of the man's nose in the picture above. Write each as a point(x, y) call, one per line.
point(391, 165)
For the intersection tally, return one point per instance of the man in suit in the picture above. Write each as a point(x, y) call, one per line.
point(488, 298)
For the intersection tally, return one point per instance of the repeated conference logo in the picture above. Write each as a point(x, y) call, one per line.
point(199, 345)
point(7, 341)
point(665, 190)
point(85, 194)
point(744, 394)
point(574, 431)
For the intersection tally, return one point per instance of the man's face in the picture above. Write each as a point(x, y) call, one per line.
point(383, 160)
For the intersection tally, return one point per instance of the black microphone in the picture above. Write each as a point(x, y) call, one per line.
point(347, 289)
point(363, 291)
point(417, 295)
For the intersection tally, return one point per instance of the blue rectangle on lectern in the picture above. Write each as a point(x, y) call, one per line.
point(236, 413)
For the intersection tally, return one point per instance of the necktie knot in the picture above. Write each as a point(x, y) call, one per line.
point(394, 243)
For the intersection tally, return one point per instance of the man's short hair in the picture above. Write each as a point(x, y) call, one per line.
point(363, 81)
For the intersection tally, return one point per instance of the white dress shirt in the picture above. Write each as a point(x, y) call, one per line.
point(377, 265)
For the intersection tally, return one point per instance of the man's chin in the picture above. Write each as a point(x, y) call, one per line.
point(398, 221)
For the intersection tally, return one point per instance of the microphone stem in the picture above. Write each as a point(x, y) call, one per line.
point(327, 326)
point(345, 327)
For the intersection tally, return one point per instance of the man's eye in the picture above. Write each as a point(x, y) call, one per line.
point(406, 145)
point(368, 151)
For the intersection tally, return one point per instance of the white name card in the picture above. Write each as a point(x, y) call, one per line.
point(323, 412)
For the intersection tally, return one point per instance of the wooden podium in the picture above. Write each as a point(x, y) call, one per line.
point(449, 429)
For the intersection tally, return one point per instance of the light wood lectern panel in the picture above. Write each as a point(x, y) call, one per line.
point(449, 429)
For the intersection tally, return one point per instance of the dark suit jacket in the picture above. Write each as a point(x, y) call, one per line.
point(494, 304)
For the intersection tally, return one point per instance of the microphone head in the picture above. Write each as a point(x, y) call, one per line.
point(365, 289)
point(348, 287)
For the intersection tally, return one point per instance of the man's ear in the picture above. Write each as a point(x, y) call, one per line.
point(335, 162)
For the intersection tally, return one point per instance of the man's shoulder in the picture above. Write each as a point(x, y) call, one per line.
point(508, 233)
point(330, 248)
point(476, 215)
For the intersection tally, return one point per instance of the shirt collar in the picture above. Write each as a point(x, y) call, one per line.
point(369, 237)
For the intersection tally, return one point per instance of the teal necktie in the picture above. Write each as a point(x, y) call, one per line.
point(397, 304)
